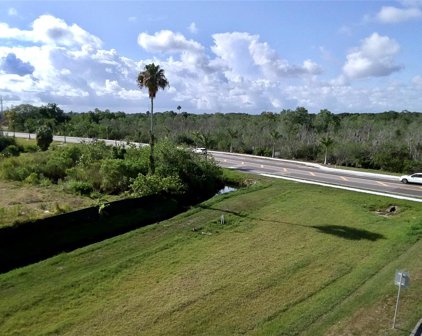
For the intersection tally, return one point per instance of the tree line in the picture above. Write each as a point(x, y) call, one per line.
point(390, 141)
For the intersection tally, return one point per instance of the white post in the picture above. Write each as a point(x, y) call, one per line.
point(397, 303)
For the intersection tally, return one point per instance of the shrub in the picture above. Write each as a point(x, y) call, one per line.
point(391, 158)
point(44, 137)
point(145, 185)
point(87, 173)
point(6, 141)
point(55, 168)
point(17, 168)
point(116, 174)
point(30, 148)
point(11, 150)
point(79, 187)
point(199, 175)
point(32, 178)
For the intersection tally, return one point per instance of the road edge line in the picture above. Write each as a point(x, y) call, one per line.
point(344, 188)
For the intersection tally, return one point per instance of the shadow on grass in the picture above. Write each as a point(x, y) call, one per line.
point(347, 232)
point(341, 231)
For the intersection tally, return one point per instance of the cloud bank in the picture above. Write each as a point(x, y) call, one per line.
point(55, 61)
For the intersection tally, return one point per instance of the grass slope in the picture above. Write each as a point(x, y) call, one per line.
point(291, 259)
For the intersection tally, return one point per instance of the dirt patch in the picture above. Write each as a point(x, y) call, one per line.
point(21, 202)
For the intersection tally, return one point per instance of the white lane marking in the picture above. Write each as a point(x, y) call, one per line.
point(312, 173)
point(225, 160)
point(343, 178)
point(346, 188)
point(285, 170)
point(243, 162)
point(262, 166)
point(383, 184)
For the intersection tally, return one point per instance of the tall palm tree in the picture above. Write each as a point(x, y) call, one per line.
point(275, 135)
point(152, 78)
point(233, 134)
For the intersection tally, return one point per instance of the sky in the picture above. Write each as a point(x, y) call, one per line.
point(218, 56)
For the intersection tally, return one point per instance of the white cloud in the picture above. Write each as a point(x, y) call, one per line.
point(12, 12)
point(192, 28)
point(65, 64)
point(51, 30)
point(389, 14)
point(168, 42)
point(247, 57)
point(374, 58)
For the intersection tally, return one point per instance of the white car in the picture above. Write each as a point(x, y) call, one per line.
point(414, 178)
point(200, 150)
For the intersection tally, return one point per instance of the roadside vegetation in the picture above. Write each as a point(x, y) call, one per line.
point(389, 141)
point(95, 168)
point(97, 174)
point(290, 259)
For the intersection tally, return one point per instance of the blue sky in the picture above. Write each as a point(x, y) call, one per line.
point(219, 56)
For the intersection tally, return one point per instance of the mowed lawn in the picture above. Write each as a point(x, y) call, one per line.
point(291, 259)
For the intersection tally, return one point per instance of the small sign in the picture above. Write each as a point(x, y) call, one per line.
point(403, 277)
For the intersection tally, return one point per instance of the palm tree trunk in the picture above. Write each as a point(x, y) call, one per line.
point(325, 157)
point(151, 142)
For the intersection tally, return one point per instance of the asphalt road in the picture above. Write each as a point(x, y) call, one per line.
point(298, 171)
point(386, 184)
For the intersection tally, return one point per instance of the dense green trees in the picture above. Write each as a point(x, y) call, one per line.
point(359, 140)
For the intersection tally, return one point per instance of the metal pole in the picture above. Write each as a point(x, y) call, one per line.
point(397, 303)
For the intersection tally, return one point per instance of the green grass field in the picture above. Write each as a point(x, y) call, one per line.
point(292, 259)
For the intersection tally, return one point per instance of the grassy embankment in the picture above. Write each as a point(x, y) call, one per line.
point(291, 259)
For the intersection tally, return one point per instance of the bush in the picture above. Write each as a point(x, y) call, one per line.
point(411, 167)
point(87, 173)
point(199, 175)
point(391, 158)
point(116, 174)
point(32, 178)
point(79, 187)
point(55, 168)
point(17, 168)
point(6, 141)
point(30, 148)
point(145, 185)
point(11, 150)
point(44, 137)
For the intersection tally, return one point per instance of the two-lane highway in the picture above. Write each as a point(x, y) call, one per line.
point(385, 184)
